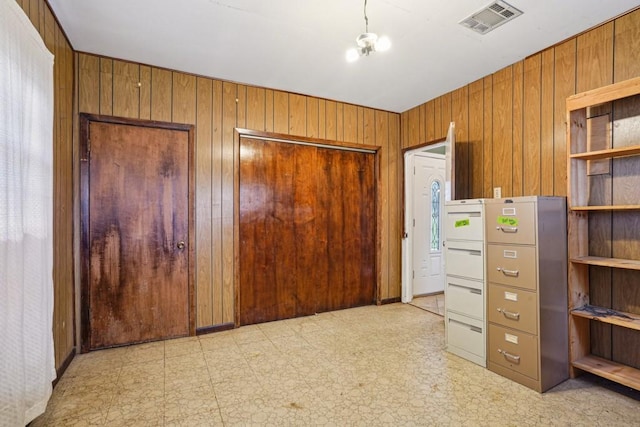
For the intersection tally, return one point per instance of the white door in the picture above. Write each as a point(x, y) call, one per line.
point(428, 206)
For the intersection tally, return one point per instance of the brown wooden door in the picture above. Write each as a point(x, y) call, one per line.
point(136, 212)
point(307, 230)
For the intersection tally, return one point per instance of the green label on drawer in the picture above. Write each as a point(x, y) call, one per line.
point(462, 223)
point(508, 220)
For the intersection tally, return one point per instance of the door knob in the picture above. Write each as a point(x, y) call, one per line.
point(180, 244)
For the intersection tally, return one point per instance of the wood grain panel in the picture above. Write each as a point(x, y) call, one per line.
point(145, 92)
point(404, 129)
point(595, 58)
point(460, 115)
point(394, 262)
point(106, 86)
point(33, 11)
point(161, 94)
point(229, 94)
point(369, 121)
point(305, 201)
point(340, 121)
point(437, 118)
point(297, 115)
point(217, 203)
point(422, 125)
point(430, 121)
point(565, 85)
point(331, 126)
point(126, 93)
point(476, 138)
point(256, 114)
point(502, 130)
point(89, 84)
point(313, 117)
point(487, 154)
point(50, 29)
point(184, 98)
point(351, 124)
point(203, 193)
point(532, 112)
point(546, 123)
point(241, 106)
point(445, 115)
point(381, 128)
point(518, 130)
point(412, 118)
point(322, 119)
point(269, 106)
point(627, 40)
point(280, 112)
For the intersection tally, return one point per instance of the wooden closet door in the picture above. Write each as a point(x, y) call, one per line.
point(136, 209)
point(307, 230)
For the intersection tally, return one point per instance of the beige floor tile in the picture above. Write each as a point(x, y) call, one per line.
point(202, 419)
point(183, 403)
point(182, 346)
point(144, 412)
point(368, 366)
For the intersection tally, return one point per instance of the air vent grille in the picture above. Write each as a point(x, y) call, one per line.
point(490, 17)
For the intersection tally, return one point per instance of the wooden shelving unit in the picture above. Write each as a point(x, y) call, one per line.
point(605, 199)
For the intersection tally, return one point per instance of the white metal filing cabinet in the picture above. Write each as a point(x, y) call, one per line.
point(464, 247)
point(527, 290)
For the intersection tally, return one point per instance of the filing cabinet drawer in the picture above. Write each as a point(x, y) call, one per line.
point(464, 296)
point(465, 333)
point(465, 259)
point(513, 307)
point(464, 222)
point(511, 223)
point(512, 265)
point(514, 350)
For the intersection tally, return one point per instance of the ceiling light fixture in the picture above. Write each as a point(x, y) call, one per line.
point(367, 42)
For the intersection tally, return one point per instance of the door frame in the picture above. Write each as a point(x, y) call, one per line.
point(86, 119)
point(240, 133)
point(407, 202)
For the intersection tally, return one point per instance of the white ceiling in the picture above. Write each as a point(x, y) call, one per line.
point(299, 45)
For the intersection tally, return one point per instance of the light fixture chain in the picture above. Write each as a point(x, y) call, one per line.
point(366, 19)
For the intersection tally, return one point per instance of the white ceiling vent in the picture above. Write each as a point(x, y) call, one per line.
point(490, 17)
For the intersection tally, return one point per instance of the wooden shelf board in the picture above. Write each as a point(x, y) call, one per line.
point(610, 370)
point(627, 264)
point(606, 208)
point(604, 94)
point(608, 154)
point(606, 315)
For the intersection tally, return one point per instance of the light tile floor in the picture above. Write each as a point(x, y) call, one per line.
point(365, 366)
point(432, 303)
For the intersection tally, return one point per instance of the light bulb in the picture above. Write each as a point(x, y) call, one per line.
point(352, 55)
point(383, 44)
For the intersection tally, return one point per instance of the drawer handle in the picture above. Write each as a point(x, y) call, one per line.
point(476, 252)
point(509, 314)
point(466, 288)
point(509, 356)
point(512, 273)
point(507, 229)
point(475, 329)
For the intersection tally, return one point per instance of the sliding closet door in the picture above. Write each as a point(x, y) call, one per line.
point(307, 230)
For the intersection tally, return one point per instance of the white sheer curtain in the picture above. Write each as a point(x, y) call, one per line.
point(27, 364)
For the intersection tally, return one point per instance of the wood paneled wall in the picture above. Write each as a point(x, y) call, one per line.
point(63, 263)
point(510, 125)
point(126, 89)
